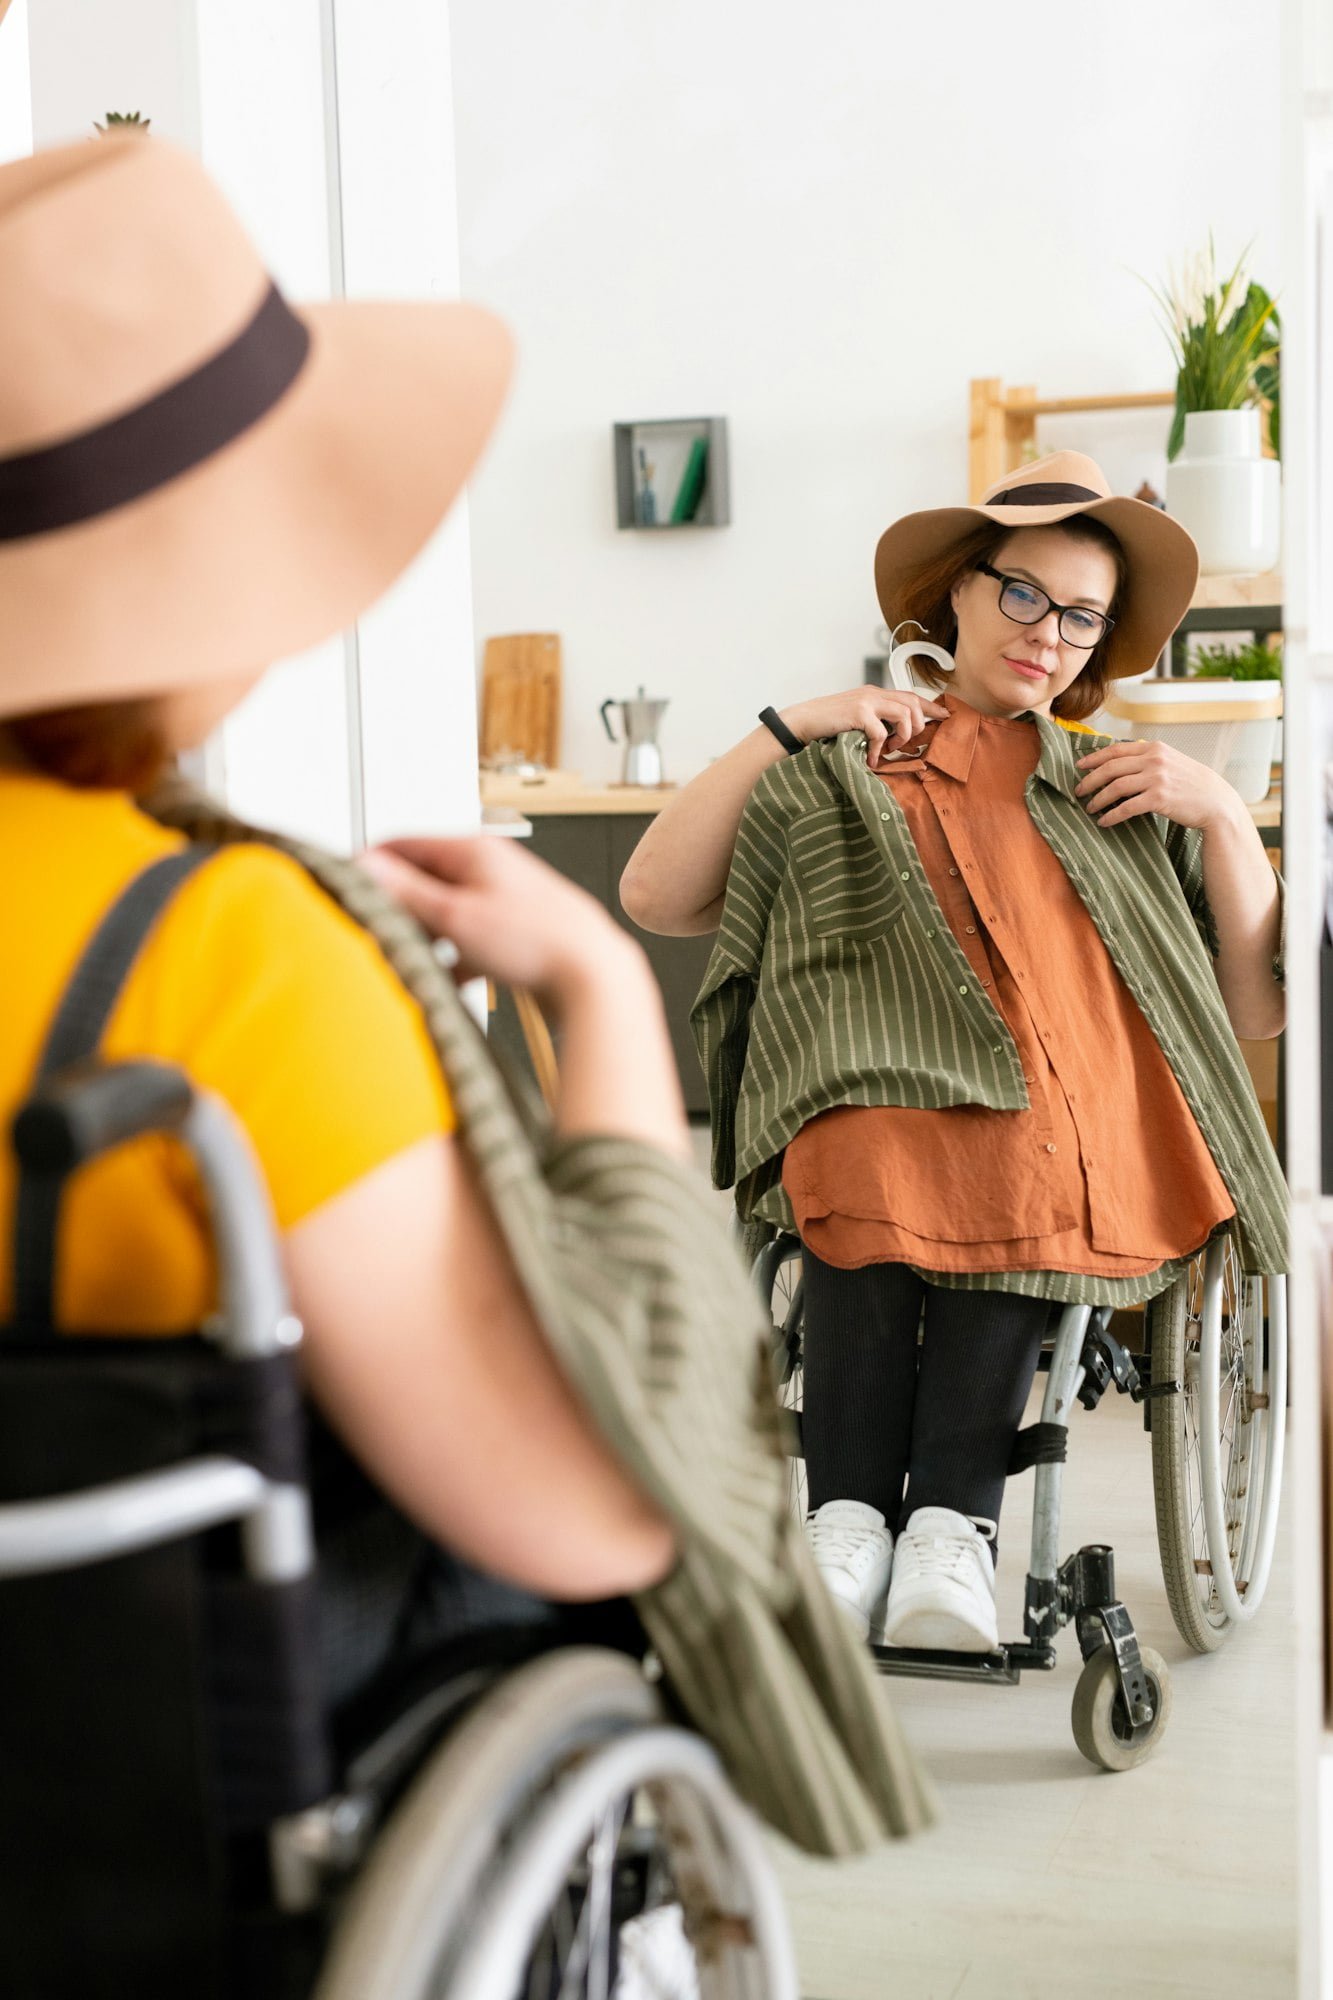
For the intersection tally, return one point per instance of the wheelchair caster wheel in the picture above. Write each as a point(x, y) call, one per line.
point(1102, 1730)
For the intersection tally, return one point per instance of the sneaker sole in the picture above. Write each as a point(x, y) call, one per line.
point(940, 1632)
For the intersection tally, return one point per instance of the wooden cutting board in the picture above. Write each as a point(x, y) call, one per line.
point(520, 697)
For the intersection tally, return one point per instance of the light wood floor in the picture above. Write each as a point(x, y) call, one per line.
point(1047, 1878)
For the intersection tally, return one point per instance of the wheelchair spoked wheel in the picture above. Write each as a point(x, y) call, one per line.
point(777, 1273)
point(1217, 1446)
point(563, 1830)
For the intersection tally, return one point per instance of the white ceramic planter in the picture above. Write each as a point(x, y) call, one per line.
point(1227, 494)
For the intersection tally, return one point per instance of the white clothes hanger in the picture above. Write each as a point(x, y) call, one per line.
point(898, 672)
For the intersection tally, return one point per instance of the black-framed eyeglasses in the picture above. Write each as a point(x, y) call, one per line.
point(1027, 605)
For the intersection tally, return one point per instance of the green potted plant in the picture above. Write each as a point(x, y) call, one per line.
point(1225, 334)
point(123, 121)
point(1255, 661)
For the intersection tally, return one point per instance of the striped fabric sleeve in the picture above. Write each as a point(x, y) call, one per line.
point(1184, 845)
point(721, 1014)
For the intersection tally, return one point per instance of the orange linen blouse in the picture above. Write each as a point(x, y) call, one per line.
point(1106, 1174)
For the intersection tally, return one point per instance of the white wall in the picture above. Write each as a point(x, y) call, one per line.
point(400, 239)
point(89, 58)
point(15, 84)
point(819, 223)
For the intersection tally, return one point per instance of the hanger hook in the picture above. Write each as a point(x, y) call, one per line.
point(898, 674)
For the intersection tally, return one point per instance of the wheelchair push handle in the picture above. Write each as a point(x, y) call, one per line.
point(93, 1107)
point(88, 1108)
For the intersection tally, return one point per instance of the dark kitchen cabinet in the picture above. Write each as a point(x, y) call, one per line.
point(592, 849)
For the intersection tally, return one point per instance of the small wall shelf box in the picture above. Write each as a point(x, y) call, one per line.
point(672, 473)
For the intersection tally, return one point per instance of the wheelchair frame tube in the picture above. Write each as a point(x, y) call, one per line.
point(125, 1515)
point(1062, 1387)
point(255, 1316)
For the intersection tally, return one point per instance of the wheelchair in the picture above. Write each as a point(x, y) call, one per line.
point(1212, 1381)
point(182, 1811)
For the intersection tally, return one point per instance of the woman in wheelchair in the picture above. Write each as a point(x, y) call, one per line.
point(536, 1356)
point(970, 1025)
point(129, 628)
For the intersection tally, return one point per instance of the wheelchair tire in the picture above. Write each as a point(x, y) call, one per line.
point(492, 1876)
point(1101, 1728)
point(777, 1274)
point(1217, 1447)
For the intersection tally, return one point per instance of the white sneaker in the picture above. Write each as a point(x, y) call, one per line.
point(853, 1552)
point(943, 1591)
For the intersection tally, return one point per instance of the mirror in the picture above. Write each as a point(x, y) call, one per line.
point(890, 252)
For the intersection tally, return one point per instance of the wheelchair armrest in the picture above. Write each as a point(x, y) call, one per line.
point(92, 1107)
point(38, 1537)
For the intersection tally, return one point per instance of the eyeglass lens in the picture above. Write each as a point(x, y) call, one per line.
point(1028, 605)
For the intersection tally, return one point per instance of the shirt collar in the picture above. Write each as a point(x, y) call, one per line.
point(954, 744)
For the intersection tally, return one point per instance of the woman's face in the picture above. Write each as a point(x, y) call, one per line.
point(1005, 667)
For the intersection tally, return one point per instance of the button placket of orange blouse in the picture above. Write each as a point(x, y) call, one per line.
point(950, 898)
point(962, 897)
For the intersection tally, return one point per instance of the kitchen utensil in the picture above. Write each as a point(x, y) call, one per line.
point(640, 719)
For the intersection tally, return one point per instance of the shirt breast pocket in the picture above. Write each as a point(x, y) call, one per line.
point(846, 887)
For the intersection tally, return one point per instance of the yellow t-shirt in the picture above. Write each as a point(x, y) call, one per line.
point(256, 985)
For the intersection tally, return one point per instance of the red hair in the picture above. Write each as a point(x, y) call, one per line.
point(114, 746)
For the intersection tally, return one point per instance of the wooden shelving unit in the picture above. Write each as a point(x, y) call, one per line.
point(1003, 425)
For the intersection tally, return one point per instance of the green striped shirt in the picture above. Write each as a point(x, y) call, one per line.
point(836, 979)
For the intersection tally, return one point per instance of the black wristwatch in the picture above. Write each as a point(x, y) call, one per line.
point(773, 722)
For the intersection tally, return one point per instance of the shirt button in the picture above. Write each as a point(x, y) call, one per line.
point(985, 982)
point(962, 989)
point(884, 815)
point(971, 930)
point(1050, 1149)
point(930, 933)
point(1029, 1076)
point(904, 875)
point(952, 871)
point(997, 1048)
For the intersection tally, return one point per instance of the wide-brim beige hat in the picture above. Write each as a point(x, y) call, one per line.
point(1161, 560)
point(197, 479)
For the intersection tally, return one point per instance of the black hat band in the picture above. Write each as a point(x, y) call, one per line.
point(1039, 493)
point(169, 434)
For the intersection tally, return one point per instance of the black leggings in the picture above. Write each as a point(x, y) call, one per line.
point(882, 1410)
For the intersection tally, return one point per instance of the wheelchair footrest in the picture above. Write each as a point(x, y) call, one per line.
point(1001, 1668)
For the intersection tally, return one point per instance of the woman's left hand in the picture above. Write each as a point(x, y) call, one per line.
point(1125, 779)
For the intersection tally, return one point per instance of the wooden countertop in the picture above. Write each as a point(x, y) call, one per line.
point(564, 792)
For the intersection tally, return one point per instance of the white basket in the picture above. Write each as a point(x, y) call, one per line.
point(1232, 726)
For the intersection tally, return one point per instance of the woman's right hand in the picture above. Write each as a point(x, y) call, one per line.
point(889, 717)
point(511, 917)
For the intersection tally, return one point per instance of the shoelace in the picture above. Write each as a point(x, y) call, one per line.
point(840, 1543)
point(946, 1555)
